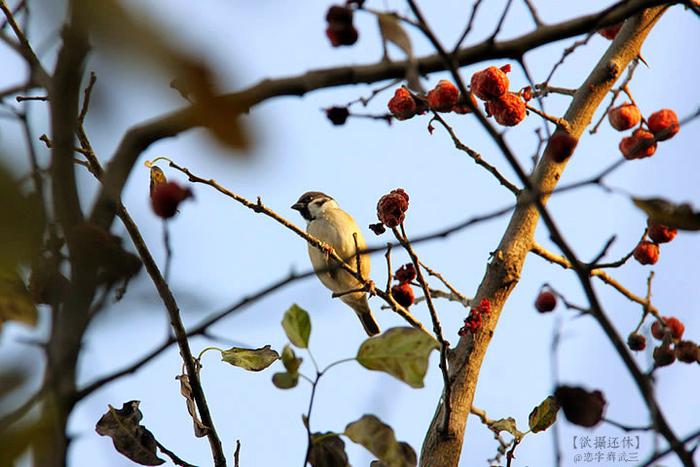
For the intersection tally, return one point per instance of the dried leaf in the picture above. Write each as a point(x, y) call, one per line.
point(506, 424)
point(130, 35)
point(129, 437)
point(380, 440)
point(157, 178)
point(402, 352)
point(327, 450)
point(544, 415)
point(660, 211)
point(408, 451)
point(392, 31)
point(16, 303)
point(200, 429)
point(250, 359)
point(297, 326)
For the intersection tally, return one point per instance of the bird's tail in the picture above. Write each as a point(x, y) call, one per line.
point(363, 311)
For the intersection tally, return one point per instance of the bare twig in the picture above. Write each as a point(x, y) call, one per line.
point(476, 157)
point(437, 327)
point(260, 208)
point(173, 457)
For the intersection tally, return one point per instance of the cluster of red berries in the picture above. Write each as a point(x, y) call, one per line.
point(391, 210)
point(473, 322)
point(491, 85)
point(546, 301)
point(647, 252)
point(669, 330)
point(661, 125)
point(166, 198)
point(402, 292)
point(340, 30)
point(444, 97)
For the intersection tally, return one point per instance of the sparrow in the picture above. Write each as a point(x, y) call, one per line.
point(335, 227)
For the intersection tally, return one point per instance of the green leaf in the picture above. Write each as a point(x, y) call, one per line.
point(380, 440)
point(290, 360)
point(544, 415)
point(129, 437)
point(327, 450)
point(506, 424)
point(660, 211)
point(285, 380)
point(250, 359)
point(402, 352)
point(297, 326)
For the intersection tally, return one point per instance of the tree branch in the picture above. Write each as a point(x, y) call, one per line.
point(139, 137)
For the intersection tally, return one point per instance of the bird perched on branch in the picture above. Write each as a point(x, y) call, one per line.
point(335, 227)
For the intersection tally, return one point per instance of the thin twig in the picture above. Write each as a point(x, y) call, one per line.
point(468, 28)
point(437, 327)
point(476, 157)
point(260, 208)
point(176, 460)
point(602, 275)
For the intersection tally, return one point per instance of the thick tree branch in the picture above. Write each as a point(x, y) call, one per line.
point(503, 272)
point(139, 137)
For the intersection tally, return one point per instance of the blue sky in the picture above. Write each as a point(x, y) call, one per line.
point(223, 251)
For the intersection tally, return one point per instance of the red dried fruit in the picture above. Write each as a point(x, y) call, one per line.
point(462, 107)
point(338, 115)
point(377, 228)
point(490, 83)
point(405, 273)
point(660, 233)
point(546, 301)
point(636, 342)
point(403, 294)
point(402, 105)
point(508, 110)
point(339, 14)
point(624, 117)
point(526, 93)
point(392, 207)
point(664, 124)
point(641, 144)
point(672, 323)
point(561, 146)
point(340, 29)
point(167, 197)
point(663, 355)
point(646, 252)
point(443, 97)
point(580, 406)
point(346, 35)
point(686, 351)
point(611, 31)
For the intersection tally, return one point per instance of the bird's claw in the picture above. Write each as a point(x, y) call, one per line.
point(371, 289)
point(327, 250)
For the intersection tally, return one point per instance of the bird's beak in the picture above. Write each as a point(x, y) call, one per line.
point(298, 206)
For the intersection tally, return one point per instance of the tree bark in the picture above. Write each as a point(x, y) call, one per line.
point(503, 273)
